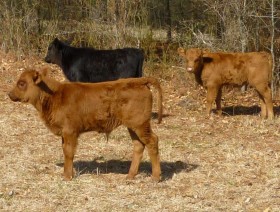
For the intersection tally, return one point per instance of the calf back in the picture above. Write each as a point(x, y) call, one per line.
point(101, 107)
point(237, 68)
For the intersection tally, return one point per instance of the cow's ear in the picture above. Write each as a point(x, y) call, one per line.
point(205, 51)
point(37, 77)
point(56, 42)
point(45, 71)
point(40, 74)
point(181, 51)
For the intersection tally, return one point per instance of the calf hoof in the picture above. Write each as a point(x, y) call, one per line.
point(130, 177)
point(155, 179)
point(270, 117)
point(210, 115)
point(219, 112)
point(67, 178)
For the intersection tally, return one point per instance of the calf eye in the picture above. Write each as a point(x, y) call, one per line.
point(21, 85)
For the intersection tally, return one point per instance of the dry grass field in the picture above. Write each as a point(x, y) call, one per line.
point(229, 163)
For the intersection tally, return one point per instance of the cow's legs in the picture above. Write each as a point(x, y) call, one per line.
point(211, 96)
point(263, 106)
point(138, 150)
point(266, 101)
point(154, 155)
point(150, 140)
point(218, 101)
point(69, 143)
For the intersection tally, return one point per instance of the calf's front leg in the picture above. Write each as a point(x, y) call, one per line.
point(69, 143)
point(218, 102)
point(210, 98)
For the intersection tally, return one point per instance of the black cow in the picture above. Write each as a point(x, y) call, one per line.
point(92, 65)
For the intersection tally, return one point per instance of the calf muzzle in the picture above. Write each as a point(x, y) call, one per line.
point(13, 97)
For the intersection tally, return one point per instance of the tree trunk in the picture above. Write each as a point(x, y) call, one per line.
point(168, 21)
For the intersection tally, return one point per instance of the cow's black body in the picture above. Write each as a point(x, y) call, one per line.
point(92, 65)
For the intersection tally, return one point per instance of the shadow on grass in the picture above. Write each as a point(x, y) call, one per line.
point(154, 115)
point(122, 167)
point(276, 110)
point(243, 110)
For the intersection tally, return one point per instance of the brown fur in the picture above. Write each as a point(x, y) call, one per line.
point(69, 109)
point(214, 70)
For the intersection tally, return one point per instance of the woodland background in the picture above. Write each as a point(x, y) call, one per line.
point(227, 163)
point(156, 25)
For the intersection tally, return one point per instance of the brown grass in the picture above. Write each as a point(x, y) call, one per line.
point(228, 163)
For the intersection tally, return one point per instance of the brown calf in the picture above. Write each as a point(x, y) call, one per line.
point(69, 109)
point(214, 70)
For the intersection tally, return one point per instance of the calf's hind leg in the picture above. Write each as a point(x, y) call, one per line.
point(153, 151)
point(150, 140)
point(266, 101)
point(138, 150)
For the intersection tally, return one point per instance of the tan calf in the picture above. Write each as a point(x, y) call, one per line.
point(69, 109)
point(214, 70)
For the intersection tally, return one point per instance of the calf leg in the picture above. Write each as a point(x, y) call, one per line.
point(211, 96)
point(263, 106)
point(269, 105)
point(218, 102)
point(150, 140)
point(69, 143)
point(137, 155)
point(266, 101)
point(154, 155)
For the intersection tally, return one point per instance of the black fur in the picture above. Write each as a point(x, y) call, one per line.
point(92, 65)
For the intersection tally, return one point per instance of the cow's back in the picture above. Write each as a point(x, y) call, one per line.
point(95, 105)
point(113, 64)
point(91, 65)
point(236, 68)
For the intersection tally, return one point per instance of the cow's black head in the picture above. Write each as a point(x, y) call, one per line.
point(54, 52)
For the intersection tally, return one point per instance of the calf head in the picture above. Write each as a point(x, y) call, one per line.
point(54, 54)
point(26, 89)
point(193, 58)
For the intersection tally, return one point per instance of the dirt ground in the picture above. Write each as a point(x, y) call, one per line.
point(228, 163)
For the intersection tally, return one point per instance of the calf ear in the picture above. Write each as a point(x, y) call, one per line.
point(37, 77)
point(205, 51)
point(181, 51)
point(39, 74)
point(44, 71)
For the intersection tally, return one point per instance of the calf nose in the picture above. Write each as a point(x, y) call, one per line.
point(12, 96)
point(189, 69)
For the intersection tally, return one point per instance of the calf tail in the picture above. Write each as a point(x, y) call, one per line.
point(154, 82)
